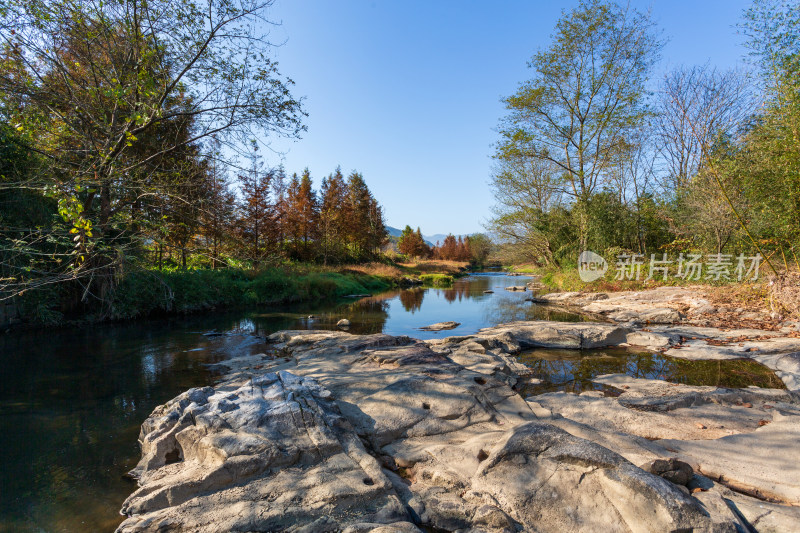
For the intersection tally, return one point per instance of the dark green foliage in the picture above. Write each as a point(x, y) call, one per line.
point(437, 280)
point(186, 291)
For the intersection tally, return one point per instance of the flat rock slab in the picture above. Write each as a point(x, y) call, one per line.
point(656, 409)
point(762, 463)
point(441, 326)
point(329, 431)
point(551, 334)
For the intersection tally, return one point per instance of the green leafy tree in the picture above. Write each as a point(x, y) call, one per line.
point(100, 85)
point(585, 97)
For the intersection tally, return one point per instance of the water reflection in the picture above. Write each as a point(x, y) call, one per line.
point(572, 371)
point(411, 299)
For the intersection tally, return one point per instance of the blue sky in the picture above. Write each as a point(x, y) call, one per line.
point(408, 92)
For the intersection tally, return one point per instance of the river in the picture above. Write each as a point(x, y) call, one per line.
point(72, 401)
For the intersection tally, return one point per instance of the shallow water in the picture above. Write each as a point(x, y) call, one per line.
point(573, 371)
point(72, 401)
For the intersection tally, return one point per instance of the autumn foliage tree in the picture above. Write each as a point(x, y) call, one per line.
point(412, 244)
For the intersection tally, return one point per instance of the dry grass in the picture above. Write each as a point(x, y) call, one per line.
point(784, 294)
point(375, 269)
point(436, 266)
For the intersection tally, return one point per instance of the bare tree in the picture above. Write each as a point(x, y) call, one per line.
point(696, 107)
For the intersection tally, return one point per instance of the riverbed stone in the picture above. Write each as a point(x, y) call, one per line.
point(304, 437)
point(441, 326)
point(671, 469)
point(656, 409)
point(761, 463)
point(551, 334)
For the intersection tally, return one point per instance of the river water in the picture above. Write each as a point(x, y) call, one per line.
point(72, 401)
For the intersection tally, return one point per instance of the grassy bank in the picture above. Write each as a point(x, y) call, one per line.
point(143, 293)
point(437, 280)
point(395, 272)
point(185, 291)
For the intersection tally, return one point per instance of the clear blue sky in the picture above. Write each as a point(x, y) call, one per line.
point(408, 92)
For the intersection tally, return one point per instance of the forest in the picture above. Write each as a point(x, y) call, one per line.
point(598, 153)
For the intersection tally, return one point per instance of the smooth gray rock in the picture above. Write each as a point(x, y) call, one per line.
point(549, 334)
point(273, 454)
point(671, 469)
point(441, 326)
point(329, 431)
point(761, 463)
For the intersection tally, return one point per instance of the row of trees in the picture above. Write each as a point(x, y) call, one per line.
point(474, 248)
point(590, 157)
point(341, 223)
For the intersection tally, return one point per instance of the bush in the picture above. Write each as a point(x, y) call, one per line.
point(437, 280)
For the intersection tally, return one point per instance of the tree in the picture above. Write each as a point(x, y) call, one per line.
point(526, 192)
point(768, 166)
point(696, 107)
point(217, 216)
point(332, 217)
point(412, 244)
point(256, 216)
point(366, 231)
point(279, 207)
point(102, 84)
point(586, 96)
point(302, 214)
point(480, 246)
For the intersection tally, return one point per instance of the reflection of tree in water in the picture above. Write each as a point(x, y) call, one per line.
point(573, 371)
point(457, 292)
point(411, 299)
point(72, 410)
point(366, 316)
point(511, 307)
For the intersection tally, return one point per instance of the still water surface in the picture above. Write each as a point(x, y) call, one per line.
point(72, 402)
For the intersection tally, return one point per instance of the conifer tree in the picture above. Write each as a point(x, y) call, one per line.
point(332, 218)
point(255, 212)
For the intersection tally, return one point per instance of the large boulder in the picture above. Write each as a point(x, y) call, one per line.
point(551, 334)
point(274, 454)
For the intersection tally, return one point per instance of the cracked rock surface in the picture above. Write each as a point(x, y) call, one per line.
point(337, 432)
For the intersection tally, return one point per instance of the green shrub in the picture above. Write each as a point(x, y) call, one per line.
point(437, 280)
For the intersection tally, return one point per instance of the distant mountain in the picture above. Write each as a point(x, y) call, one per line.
point(430, 240)
point(393, 232)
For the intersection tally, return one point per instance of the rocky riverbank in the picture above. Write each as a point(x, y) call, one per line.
point(328, 431)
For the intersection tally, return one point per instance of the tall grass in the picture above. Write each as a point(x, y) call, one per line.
point(184, 291)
